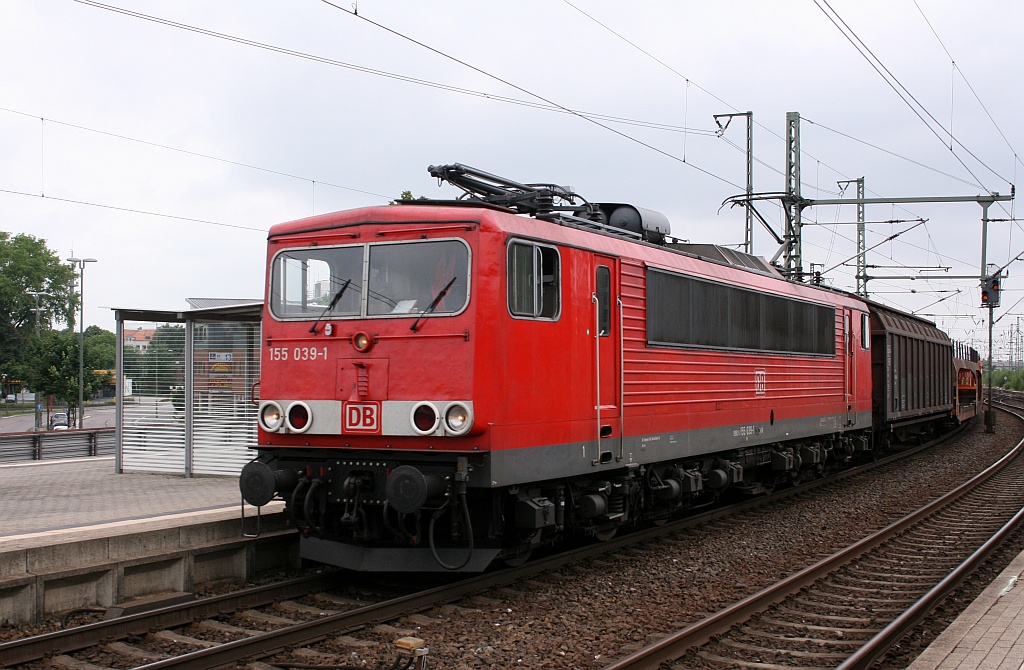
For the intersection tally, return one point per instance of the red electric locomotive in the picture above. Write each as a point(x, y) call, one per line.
point(446, 383)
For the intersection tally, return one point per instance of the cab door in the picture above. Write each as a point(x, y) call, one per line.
point(850, 373)
point(606, 336)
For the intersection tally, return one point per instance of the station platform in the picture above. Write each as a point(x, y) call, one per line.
point(45, 499)
point(989, 635)
point(73, 533)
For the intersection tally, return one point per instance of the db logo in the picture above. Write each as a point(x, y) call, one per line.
point(361, 417)
point(760, 381)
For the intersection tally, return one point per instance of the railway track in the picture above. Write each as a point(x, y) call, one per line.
point(167, 638)
point(847, 610)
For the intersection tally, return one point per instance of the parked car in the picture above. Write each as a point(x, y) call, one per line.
point(59, 421)
point(10, 398)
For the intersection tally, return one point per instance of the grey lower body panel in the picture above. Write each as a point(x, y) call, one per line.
point(392, 559)
point(507, 467)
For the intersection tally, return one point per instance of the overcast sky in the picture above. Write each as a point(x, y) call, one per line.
point(166, 152)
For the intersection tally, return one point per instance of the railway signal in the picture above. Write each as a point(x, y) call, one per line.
point(990, 291)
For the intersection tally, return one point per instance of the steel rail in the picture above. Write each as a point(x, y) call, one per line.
point(667, 650)
point(28, 649)
point(309, 632)
point(33, 648)
point(874, 648)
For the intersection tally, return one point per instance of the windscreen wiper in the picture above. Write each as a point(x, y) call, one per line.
point(440, 296)
point(334, 301)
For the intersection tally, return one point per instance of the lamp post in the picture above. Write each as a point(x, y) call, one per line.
point(38, 405)
point(81, 333)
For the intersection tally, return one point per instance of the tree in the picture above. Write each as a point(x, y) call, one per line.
point(406, 195)
point(27, 264)
point(54, 368)
point(101, 346)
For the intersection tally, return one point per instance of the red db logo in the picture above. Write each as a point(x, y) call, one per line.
point(361, 417)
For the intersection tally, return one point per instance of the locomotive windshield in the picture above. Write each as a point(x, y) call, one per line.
point(395, 279)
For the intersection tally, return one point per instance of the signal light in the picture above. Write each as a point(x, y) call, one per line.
point(990, 291)
point(299, 417)
point(362, 342)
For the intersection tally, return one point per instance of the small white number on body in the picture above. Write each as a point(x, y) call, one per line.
point(298, 354)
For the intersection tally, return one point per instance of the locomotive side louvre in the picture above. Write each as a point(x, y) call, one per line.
point(689, 399)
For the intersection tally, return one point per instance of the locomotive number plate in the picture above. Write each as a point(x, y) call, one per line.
point(361, 418)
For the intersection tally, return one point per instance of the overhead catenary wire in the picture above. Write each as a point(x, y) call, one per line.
point(901, 91)
point(959, 71)
point(132, 211)
point(609, 118)
point(984, 108)
point(688, 81)
point(732, 107)
point(521, 89)
point(684, 157)
point(188, 152)
point(400, 77)
point(891, 153)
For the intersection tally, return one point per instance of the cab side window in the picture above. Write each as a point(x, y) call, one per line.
point(604, 300)
point(534, 284)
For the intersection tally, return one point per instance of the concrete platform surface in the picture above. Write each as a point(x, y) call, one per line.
point(63, 495)
point(989, 635)
point(73, 533)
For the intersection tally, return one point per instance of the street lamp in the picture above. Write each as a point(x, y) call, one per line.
point(37, 310)
point(81, 332)
point(39, 406)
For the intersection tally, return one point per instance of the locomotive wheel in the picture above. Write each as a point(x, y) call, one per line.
point(605, 535)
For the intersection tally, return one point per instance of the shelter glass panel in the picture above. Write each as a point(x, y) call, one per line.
point(225, 365)
point(153, 402)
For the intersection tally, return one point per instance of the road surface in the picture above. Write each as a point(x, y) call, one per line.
point(101, 416)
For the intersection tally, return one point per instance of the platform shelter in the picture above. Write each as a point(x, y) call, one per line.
point(186, 385)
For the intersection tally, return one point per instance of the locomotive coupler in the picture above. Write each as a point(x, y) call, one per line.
point(354, 516)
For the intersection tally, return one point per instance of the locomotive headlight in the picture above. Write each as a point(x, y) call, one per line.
point(425, 418)
point(271, 417)
point(457, 418)
point(299, 417)
point(362, 342)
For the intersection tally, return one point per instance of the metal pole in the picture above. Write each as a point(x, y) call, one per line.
point(119, 391)
point(989, 414)
point(81, 346)
point(984, 238)
point(862, 269)
point(748, 235)
point(81, 335)
point(793, 261)
point(38, 405)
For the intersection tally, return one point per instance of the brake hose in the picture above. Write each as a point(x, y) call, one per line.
point(469, 528)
